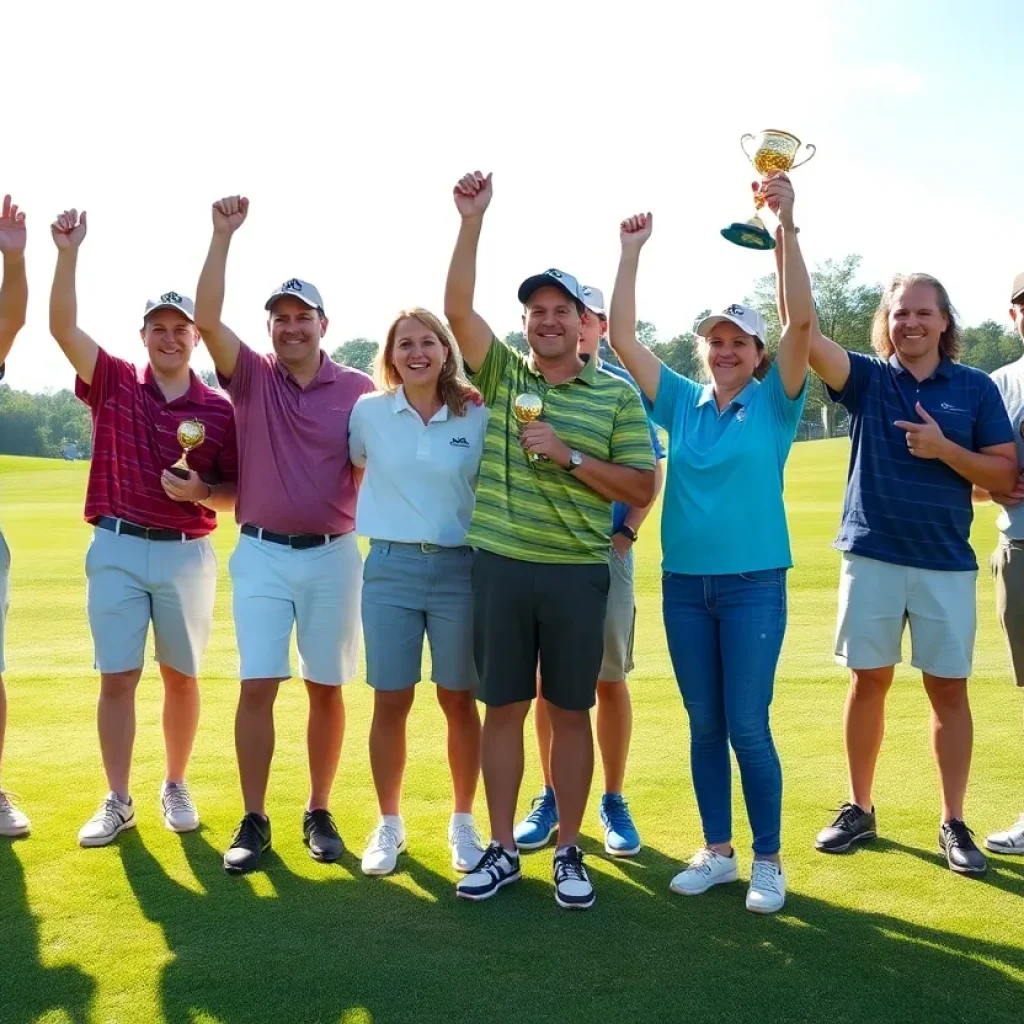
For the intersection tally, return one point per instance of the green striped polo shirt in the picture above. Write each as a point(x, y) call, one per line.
point(538, 511)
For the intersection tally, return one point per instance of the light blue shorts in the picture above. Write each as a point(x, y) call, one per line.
point(409, 592)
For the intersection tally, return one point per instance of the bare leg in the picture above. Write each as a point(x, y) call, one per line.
point(614, 729)
point(502, 759)
point(3, 718)
point(325, 732)
point(952, 740)
point(115, 722)
point(254, 740)
point(572, 769)
point(387, 745)
point(863, 729)
point(180, 720)
point(542, 726)
point(459, 707)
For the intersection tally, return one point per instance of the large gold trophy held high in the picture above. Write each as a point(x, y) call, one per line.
point(776, 151)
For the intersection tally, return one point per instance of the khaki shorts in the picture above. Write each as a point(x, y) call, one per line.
point(877, 599)
point(5, 575)
point(1007, 564)
point(619, 620)
point(132, 581)
point(316, 591)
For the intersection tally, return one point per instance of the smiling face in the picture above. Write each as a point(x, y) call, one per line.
point(169, 337)
point(731, 356)
point(295, 330)
point(418, 354)
point(916, 323)
point(552, 323)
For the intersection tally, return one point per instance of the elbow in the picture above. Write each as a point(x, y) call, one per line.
point(643, 490)
point(1008, 481)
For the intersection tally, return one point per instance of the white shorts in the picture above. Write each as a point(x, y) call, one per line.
point(131, 581)
point(876, 600)
point(315, 590)
point(5, 575)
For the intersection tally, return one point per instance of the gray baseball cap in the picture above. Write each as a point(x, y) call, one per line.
point(551, 279)
point(172, 300)
point(301, 290)
point(593, 299)
point(745, 318)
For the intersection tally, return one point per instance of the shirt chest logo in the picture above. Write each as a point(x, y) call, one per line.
point(459, 442)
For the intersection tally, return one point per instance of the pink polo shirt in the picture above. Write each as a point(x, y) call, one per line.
point(294, 472)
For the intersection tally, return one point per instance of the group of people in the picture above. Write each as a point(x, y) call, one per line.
point(505, 539)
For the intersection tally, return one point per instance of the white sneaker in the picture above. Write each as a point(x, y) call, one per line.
point(386, 842)
point(180, 814)
point(706, 868)
point(12, 821)
point(1010, 841)
point(464, 842)
point(767, 890)
point(112, 818)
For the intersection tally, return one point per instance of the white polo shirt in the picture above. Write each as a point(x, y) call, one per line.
point(420, 479)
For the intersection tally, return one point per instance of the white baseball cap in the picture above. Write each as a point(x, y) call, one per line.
point(172, 300)
point(593, 299)
point(745, 318)
point(301, 290)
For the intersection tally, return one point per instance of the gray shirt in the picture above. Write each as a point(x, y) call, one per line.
point(1010, 382)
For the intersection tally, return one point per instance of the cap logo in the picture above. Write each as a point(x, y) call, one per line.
point(555, 273)
point(735, 310)
point(588, 290)
point(170, 297)
point(293, 285)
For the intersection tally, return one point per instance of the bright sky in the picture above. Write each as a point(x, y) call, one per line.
point(348, 124)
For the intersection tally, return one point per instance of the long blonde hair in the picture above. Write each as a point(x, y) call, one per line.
point(881, 341)
point(452, 386)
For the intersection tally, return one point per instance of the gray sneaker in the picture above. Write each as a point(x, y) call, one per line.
point(180, 814)
point(1011, 841)
point(12, 821)
point(109, 821)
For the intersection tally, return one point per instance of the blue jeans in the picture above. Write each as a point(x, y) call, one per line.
point(724, 637)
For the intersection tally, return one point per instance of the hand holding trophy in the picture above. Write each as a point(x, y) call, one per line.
point(191, 434)
point(529, 407)
point(776, 151)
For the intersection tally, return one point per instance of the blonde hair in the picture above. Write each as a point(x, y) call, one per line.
point(452, 386)
point(881, 342)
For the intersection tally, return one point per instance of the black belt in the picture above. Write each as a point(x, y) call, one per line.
point(123, 527)
point(300, 541)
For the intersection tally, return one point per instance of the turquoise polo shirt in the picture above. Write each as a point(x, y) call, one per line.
point(723, 510)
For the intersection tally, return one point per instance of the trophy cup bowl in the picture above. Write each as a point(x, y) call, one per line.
point(191, 434)
point(775, 151)
point(528, 408)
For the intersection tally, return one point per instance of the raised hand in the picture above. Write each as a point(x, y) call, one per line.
point(229, 214)
point(925, 440)
point(634, 231)
point(69, 229)
point(12, 228)
point(777, 192)
point(472, 194)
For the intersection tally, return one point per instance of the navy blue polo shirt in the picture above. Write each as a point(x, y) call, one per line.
point(899, 508)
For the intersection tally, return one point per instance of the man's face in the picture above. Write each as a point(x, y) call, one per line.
point(295, 330)
point(169, 337)
point(551, 323)
point(916, 324)
point(593, 327)
point(1017, 316)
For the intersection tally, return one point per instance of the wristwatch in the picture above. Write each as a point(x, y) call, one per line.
point(627, 531)
point(575, 459)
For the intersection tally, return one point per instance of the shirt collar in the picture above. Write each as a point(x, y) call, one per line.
point(196, 393)
point(587, 374)
point(944, 369)
point(401, 404)
point(743, 398)
point(328, 373)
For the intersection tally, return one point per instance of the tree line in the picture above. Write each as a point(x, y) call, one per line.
point(55, 424)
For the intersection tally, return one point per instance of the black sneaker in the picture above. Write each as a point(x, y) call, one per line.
point(320, 834)
point(962, 855)
point(573, 890)
point(250, 841)
point(496, 868)
point(854, 825)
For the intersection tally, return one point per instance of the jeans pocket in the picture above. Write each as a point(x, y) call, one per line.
point(761, 576)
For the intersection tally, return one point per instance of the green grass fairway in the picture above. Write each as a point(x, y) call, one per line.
point(152, 930)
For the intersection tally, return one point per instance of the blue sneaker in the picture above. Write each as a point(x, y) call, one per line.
point(621, 838)
point(537, 828)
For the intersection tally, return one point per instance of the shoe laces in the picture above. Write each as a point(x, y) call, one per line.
point(542, 806)
point(7, 798)
point(109, 812)
point(464, 835)
point(703, 861)
point(616, 813)
point(569, 866)
point(848, 815)
point(764, 876)
point(384, 837)
point(958, 834)
point(177, 797)
point(321, 820)
point(248, 834)
point(489, 862)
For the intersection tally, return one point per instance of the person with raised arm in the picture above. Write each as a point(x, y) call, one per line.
point(541, 530)
point(726, 545)
point(297, 565)
point(923, 428)
point(418, 441)
point(150, 558)
point(13, 306)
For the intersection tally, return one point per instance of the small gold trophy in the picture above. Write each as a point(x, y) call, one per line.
point(191, 434)
point(776, 151)
point(529, 407)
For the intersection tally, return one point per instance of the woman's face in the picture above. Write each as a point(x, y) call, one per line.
point(732, 356)
point(418, 354)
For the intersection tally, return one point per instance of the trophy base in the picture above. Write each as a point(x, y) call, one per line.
point(750, 234)
point(179, 472)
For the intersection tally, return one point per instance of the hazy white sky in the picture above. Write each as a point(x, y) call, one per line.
point(348, 124)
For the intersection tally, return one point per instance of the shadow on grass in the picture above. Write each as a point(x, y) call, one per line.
point(376, 951)
point(28, 988)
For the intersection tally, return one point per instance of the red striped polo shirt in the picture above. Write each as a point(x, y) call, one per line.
point(134, 439)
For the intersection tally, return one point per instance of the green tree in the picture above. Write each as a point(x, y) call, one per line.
point(209, 378)
point(518, 341)
point(359, 353)
point(682, 352)
point(646, 333)
point(989, 346)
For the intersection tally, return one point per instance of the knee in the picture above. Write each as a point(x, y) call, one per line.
point(119, 685)
point(751, 740)
point(707, 724)
point(323, 696)
point(563, 721)
point(946, 695)
point(457, 704)
point(871, 684)
point(177, 682)
point(257, 695)
point(609, 692)
point(392, 705)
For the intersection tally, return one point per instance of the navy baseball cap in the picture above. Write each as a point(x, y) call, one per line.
point(301, 290)
point(172, 300)
point(551, 279)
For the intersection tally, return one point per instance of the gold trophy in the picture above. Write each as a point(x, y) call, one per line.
point(191, 434)
point(776, 151)
point(529, 407)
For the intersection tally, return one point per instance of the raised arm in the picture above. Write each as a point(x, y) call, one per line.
point(228, 216)
point(643, 365)
point(13, 284)
point(68, 232)
point(472, 197)
point(796, 303)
